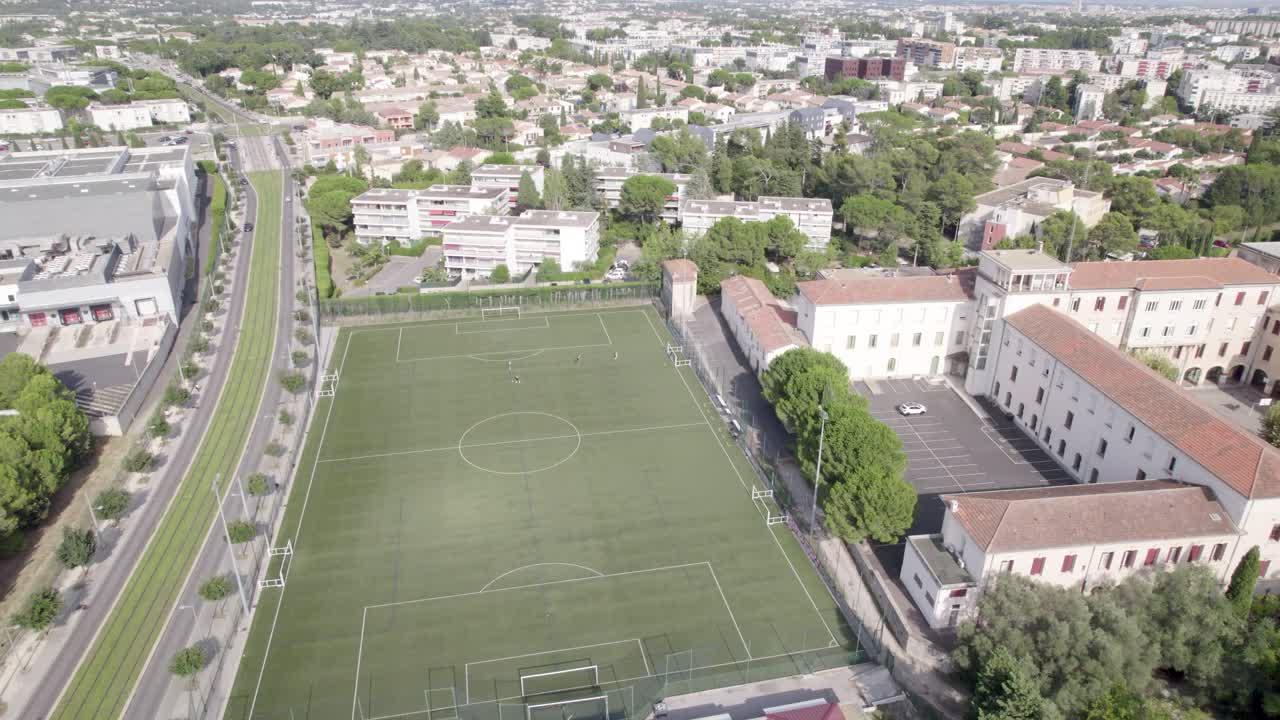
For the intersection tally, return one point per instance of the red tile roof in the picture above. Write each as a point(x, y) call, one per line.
point(1102, 513)
point(681, 269)
point(1123, 275)
point(827, 711)
point(1239, 459)
point(772, 325)
point(957, 287)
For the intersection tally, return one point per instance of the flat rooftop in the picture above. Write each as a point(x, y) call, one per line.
point(1026, 260)
point(16, 167)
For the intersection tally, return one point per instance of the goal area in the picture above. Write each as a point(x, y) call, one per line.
point(558, 681)
point(500, 312)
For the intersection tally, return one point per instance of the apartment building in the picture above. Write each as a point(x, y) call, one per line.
point(1246, 88)
point(1019, 209)
point(983, 60)
point(94, 235)
point(868, 68)
point(1073, 536)
point(1089, 97)
point(643, 118)
point(384, 215)
point(887, 326)
point(507, 176)
point(30, 121)
point(475, 245)
point(764, 327)
point(118, 117)
point(1261, 28)
point(812, 216)
point(41, 54)
point(325, 141)
point(1025, 59)
point(932, 53)
point(609, 183)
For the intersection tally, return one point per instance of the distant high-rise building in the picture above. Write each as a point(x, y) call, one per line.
point(872, 68)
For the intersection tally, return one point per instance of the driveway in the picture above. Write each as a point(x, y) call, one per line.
point(1235, 403)
point(398, 272)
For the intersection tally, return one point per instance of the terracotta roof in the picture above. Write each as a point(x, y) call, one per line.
point(681, 269)
point(826, 711)
point(1239, 459)
point(1186, 282)
point(1096, 514)
point(772, 325)
point(957, 287)
point(1118, 275)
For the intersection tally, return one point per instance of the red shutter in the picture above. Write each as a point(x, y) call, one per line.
point(1124, 300)
point(1263, 567)
point(1152, 555)
point(1069, 563)
point(1194, 555)
point(1037, 566)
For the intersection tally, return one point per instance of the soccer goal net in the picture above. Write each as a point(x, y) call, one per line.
point(578, 706)
point(556, 681)
point(499, 312)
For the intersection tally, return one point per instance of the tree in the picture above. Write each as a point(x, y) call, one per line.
point(500, 273)
point(554, 191)
point(241, 531)
point(1055, 95)
point(69, 98)
point(1160, 363)
point(1004, 690)
point(138, 460)
point(1113, 234)
point(679, 152)
point(1131, 195)
point(77, 547)
point(111, 504)
point(527, 194)
point(1064, 232)
point(41, 610)
point(500, 158)
point(427, 116)
point(258, 485)
point(294, 382)
point(187, 663)
point(1173, 252)
point(491, 106)
point(873, 502)
point(215, 588)
point(16, 370)
point(1243, 581)
point(796, 383)
point(644, 197)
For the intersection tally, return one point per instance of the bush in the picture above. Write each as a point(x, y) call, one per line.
point(206, 325)
point(302, 297)
point(211, 305)
point(158, 427)
point(300, 358)
point(302, 316)
point(275, 449)
point(285, 417)
point(294, 382)
point(414, 250)
point(199, 344)
point(546, 296)
point(176, 395)
point(258, 485)
point(187, 662)
point(500, 274)
point(1160, 363)
point(139, 460)
point(111, 504)
point(42, 609)
point(190, 369)
point(215, 588)
point(77, 548)
point(302, 335)
point(320, 255)
point(241, 531)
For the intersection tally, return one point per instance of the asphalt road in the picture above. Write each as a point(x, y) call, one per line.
point(149, 695)
point(107, 586)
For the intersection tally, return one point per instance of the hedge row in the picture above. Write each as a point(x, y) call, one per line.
point(320, 255)
point(217, 213)
point(539, 297)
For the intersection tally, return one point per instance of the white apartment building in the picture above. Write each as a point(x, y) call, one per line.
point(887, 326)
point(383, 215)
point(984, 60)
point(1089, 97)
point(30, 121)
point(1025, 59)
point(642, 118)
point(1105, 533)
point(1251, 88)
point(119, 117)
point(812, 216)
point(507, 176)
point(475, 245)
point(609, 183)
point(1019, 209)
point(764, 326)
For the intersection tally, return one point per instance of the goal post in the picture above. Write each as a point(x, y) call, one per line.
point(558, 681)
point(580, 706)
point(498, 312)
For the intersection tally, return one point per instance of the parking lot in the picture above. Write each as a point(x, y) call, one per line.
point(952, 449)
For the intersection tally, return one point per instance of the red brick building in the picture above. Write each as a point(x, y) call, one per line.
point(872, 68)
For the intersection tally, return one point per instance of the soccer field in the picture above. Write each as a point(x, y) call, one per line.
point(534, 516)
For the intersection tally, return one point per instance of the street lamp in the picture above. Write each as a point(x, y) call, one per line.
point(817, 473)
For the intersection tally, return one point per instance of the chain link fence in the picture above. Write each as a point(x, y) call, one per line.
point(442, 305)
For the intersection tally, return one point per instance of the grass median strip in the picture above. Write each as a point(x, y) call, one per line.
point(106, 677)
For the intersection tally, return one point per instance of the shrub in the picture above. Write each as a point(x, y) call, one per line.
point(241, 531)
point(302, 297)
point(300, 358)
point(320, 254)
point(199, 344)
point(159, 426)
point(302, 335)
point(294, 382)
point(211, 305)
point(302, 316)
point(285, 417)
point(111, 504)
point(206, 325)
point(41, 610)
point(187, 662)
point(500, 274)
point(139, 460)
point(77, 547)
point(176, 395)
point(275, 449)
point(258, 484)
point(190, 369)
point(215, 588)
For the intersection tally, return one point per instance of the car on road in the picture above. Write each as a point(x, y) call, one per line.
point(912, 408)
point(248, 227)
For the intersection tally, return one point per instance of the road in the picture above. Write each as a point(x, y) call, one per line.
point(149, 695)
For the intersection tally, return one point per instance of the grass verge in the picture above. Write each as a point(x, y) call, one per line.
point(107, 674)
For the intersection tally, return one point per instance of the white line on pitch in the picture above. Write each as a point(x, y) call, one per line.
point(606, 330)
point(501, 352)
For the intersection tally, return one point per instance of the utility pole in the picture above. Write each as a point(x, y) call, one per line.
point(235, 567)
point(817, 474)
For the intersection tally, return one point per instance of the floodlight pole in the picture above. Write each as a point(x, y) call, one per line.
point(817, 473)
point(93, 517)
point(235, 567)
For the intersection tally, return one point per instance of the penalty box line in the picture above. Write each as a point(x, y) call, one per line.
point(444, 322)
point(457, 327)
point(466, 668)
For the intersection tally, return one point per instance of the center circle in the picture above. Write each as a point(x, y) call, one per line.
point(519, 443)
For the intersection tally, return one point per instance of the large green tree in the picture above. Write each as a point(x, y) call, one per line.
point(644, 196)
point(1113, 234)
point(1004, 690)
point(1243, 581)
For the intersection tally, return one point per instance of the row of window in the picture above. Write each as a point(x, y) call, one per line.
point(1128, 558)
point(873, 341)
point(1100, 303)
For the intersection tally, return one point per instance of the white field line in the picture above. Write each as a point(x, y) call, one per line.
point(542, 564)
point(467, 666)
point(355, 695)
point(604, 328)
point(500, 352)
point(456, 446)
point(446, 322)
point(745, 646)
point(457, 327)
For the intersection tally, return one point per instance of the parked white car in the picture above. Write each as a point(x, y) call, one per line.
point(912, 408)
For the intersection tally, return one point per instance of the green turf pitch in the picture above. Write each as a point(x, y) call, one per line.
point(464, 540)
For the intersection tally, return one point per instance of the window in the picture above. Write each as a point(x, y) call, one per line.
point(1175, 305)
point(1062, 448)
point(1195, 552)
point(1168, 331)
point(1048, 434)
point(1175, 553)
point(1068, 563)
point(1056, 302)
point(1177, 352)
point(1075, 305)
point(1275, 533)
point(1127, 559)
point(1239, 298)
point(1093, 328)
point(1198, 305)
point(929, 596)
point(851, 343)
point(893, 364)
point(916, 577)
point(1266, 354)
point(1199, 351)
point(1035, 420)
point(1142, 475)
point(1039, 396)
point(1100, 303)
point(1006, 566)
point(1219, 552)
point(1152, 556)
point(1105, 562)
point(1021, 408)
point(1102, 447)
point(939, 338)
point(959, 337)
point(1152, 306)
point(1008, 399)
point(893, 340)
point(1262, 297)
point(997, 392)
point(1244, 348)
point(1093, 475)
point(871, 341)
point(1275, 327)
point(958, 592)
point(1191, 330)
point(1128, 437)
point(1071, 418)
point(1222, 350)
point(1173, 462)
point(1124, 302)
point(1037, 566)
point(1013, 373)
point(1075, 462)
point(1145, 332)
point(1231, 323)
